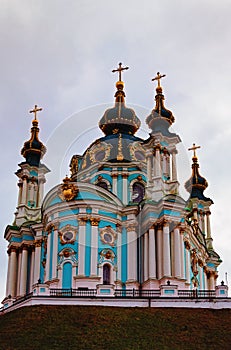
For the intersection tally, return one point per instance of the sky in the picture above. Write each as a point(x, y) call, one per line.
point(60, 54)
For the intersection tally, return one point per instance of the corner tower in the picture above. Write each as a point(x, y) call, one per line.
point(31, 176)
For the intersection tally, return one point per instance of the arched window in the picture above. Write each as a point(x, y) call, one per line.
point(102, 184)
point(106, 274)
point(137, 192)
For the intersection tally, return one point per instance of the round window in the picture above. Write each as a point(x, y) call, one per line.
point(100, 156)
point(67, 236)
point(108, 238)
point(139, 155)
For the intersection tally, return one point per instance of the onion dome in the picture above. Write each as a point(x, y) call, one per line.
point(119, 119)
point(196, 184)
point(160, 118)
point(33, 150)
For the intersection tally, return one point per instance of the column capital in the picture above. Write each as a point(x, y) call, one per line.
point(94, 221)
point(165, 223)
point(38, 243)
point(12, 249)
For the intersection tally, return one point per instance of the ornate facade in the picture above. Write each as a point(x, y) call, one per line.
point(118, 221)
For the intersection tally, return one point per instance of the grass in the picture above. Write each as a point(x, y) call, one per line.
point(86, 328)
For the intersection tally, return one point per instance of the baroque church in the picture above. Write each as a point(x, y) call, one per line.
point(117, 223)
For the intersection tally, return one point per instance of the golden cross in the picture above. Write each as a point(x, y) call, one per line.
point(158, 77)
point(120, 69)
point(35, 110)
point(193, 148)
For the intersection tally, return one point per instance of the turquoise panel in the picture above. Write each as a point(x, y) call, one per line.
point(90, 195)
point(68, 212)
point(164, 143)
point(120, 187)
point(68, 222)
point(33, 173)
point(51, 254)
point(55, 201)
point(42, 290)
point(28, 238)
point(104, 291)
point(88, 249)
point(210, 265)
point(16, 239)
point(67, 275)
point(88, 210)
point(107, 213)
point(169, 291)
point(41, 265)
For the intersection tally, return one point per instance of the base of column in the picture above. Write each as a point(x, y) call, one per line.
point(151, 283)
point(86, 282)
point(131, 284)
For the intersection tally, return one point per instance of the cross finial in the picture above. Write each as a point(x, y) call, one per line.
point(35, 110)
point(120, 69)
point(193, 148)
point(158, 77)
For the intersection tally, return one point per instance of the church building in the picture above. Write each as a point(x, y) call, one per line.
point(117, 224)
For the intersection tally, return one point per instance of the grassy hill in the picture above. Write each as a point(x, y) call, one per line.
point(75, 327)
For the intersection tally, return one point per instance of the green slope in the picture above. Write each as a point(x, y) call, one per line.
point(75, 327)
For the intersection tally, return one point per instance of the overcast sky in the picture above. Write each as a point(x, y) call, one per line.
point(59, 55)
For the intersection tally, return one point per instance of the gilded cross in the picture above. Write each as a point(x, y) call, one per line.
point(35, 110)
point(158, 77)
point(120, 69)
point(193, 148)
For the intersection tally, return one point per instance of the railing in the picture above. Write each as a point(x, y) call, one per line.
point(136, 293)
point(197, 294)
point(71, 292)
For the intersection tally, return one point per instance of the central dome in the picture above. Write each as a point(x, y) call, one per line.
point(119, 119)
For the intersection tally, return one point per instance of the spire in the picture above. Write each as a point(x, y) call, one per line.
point(33, 150)
point(120, 95)
point(160, 118)
point(119, 119)
point(196, 184)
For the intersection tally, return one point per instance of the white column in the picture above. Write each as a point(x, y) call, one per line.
point(188, 266)
point(32, 270)
point(177, 253)
point(166, 251)
point(19, 271)
point(119, 242)
point(20, 184)
point(55, 254)
point(149, 156)
point(48, 257)
point(152, 253)
point(94, 247)
point(41, 191)
point(145, 256)
point(125, 189)
point(82, 243)
point(12, 273)
point(114, 183)
point(23, 280)
point(37, 261)
point(159, 239)
point(24, 191)
point(8, 275)
point(182, 257)
point(201, 277)
point(157, 165)
point(132, 254)
point(174, 168)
